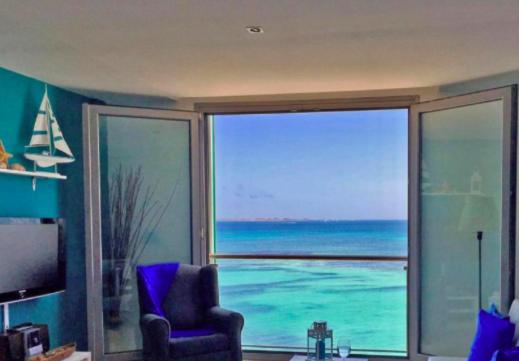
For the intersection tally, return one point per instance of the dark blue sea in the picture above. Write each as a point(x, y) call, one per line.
point(313, 237)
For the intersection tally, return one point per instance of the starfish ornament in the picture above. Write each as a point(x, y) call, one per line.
point(4, 156)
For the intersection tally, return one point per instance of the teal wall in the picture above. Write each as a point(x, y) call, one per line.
point(20, 98)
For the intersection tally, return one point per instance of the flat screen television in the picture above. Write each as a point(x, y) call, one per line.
point(32, 258)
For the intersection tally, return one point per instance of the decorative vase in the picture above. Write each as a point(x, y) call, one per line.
point(115, 289)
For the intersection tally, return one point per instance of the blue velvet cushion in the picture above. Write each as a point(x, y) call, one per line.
point(493, 333)
point(154, 284)
point(509, 354)
point(192, 333)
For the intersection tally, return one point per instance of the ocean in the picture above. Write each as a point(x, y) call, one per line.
point(363, 302)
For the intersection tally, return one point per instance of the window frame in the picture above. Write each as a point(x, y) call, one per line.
point(209, 110)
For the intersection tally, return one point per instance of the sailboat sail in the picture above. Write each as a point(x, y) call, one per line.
point(47, 135)
point(57, 136)
point(40, 133)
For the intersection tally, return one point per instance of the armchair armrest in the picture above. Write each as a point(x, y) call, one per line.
point(226, 321)
point(230, 323)
point(155, 337)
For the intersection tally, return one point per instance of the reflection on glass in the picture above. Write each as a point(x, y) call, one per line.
point(145, 206)
point(460, 223)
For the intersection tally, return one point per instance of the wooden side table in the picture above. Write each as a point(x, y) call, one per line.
point(303, 358)
point(80, 356)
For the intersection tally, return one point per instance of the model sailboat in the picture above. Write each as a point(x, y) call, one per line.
point(47, 147)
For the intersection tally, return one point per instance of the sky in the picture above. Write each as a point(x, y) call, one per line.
point(349, 165)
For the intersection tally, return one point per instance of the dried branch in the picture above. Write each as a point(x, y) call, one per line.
point(135, 215)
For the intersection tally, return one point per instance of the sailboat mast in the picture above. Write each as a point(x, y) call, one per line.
point(48, 120)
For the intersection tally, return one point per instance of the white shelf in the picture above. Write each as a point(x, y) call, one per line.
point(34, 174)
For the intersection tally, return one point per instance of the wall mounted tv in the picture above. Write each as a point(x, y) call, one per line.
point(32, 258)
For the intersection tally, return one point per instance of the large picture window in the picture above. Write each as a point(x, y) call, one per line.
point(310, 223)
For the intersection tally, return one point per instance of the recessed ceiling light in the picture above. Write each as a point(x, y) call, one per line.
point(254, 29)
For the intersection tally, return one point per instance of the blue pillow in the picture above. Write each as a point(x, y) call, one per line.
point(509, 354)
point(493, 333)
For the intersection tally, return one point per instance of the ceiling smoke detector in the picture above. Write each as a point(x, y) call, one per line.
point(254, 29)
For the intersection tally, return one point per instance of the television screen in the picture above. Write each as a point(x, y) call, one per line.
point(32, 258)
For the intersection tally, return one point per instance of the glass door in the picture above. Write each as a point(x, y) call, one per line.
point(462, 186)
point(142, 174)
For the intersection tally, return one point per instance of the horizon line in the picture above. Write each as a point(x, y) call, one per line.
point(274, 219)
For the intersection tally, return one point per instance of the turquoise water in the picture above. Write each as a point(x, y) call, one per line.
point(364, 302)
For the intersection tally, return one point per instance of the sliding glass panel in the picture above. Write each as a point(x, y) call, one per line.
point(145, 213)
point(142, 206)
point(461, 177)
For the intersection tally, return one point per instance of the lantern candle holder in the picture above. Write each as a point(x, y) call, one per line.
point(319, 342)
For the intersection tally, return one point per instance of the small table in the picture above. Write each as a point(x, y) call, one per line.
point(79, 356)
point(303, 358)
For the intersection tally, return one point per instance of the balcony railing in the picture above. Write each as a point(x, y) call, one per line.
point(309, 257)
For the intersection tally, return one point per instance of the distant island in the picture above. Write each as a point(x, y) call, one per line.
point(285, 219)
point(267, 219)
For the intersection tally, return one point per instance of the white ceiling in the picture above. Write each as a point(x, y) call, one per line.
point(199, 48)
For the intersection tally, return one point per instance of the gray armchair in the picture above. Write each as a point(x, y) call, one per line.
point(181, 319)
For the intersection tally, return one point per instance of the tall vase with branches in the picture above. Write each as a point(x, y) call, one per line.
point(135, 214)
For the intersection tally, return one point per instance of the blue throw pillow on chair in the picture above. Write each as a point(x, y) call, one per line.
point(509, 354)
point(493, 333)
